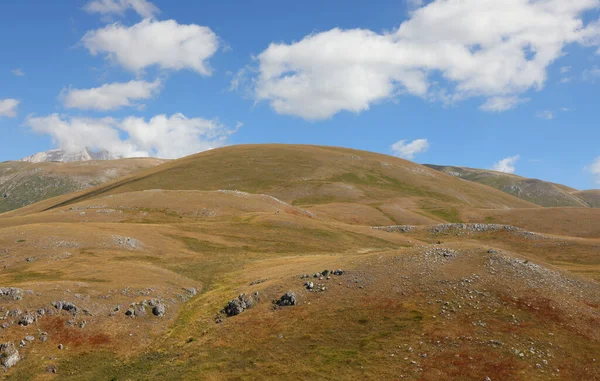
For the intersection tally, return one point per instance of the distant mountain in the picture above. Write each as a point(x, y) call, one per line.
point(23, 183)
point(59, 155)
point(539, 192)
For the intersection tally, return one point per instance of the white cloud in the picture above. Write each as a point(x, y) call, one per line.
point(162, 136)
point(409, 150)
point(110, 96)
point(8, 107)
point(499, 104)
point(545, 114)
point(506, 165)
point(18, 72)
point(166, 44)
point(594, 169)
point(481, 48)
point(565, 69)
point(143, 8)
point(412, 4)
point(591, 75)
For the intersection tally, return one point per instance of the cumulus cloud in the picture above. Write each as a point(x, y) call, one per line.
point(495, 49)
point(545, 114)
point(594, 169)
point(506, 165)
point(18, 72)
point(409, 150)
point(110, 96)
point(8, 107)
point(499, 104)
point(165, 44)
point(162, 136)
point(143, 8)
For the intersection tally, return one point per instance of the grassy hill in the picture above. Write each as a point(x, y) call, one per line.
point(24, 183)
point(425, 302)
point(313, 177)
point(539, 192)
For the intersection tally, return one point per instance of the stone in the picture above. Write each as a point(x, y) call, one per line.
point(9, 355)
point(288, 299)
point(11, 293)
point(51, 369)
point(158, 310)
point(29, 338)
point(237, 306)
point(27, 319)
point(60, 346)
point(65, 306)
point(130, 312)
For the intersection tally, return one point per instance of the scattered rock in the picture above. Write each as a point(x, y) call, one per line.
point(51, 369)
point(29, 338)
point(9, 355)
point(130, 312)
point(60, 346)
point(11, 293)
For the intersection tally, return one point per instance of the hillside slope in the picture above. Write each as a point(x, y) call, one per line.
point(24, 183)
point(539, 192)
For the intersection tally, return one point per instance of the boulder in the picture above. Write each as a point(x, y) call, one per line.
point(158, 310)
point(238, 305)
point(9, 355)
point(288, 299)
point(27, 319)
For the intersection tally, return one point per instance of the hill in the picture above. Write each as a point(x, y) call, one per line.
point(316, 177)
point(24, 183)
point(135, 278)
point(539, 192)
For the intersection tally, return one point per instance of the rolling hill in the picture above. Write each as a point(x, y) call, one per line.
point(135, 278)
point(24, 183)
point(539, 192)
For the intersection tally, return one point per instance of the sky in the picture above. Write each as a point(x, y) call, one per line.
point(509, 85)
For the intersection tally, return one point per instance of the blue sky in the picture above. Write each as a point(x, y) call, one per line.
point(494, 81)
